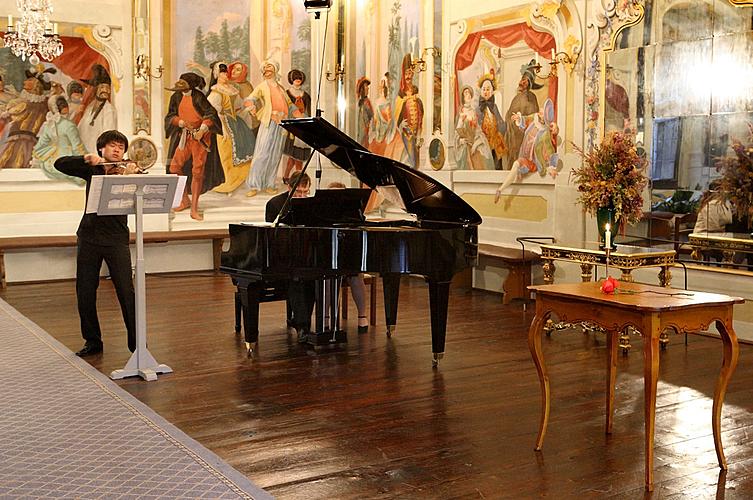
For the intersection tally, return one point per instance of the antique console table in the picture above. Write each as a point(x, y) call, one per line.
point(726, 243)
point(649, 309)
point(625, 258)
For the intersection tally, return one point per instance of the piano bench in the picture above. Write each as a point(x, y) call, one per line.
point(371, 281)
point(517, 262)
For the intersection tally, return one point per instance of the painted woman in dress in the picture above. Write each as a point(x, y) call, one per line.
point(57, 137)
point(236, 144)
point(473, 152)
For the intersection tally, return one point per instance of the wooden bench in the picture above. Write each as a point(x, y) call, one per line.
point(518, 262)
point(36, 242)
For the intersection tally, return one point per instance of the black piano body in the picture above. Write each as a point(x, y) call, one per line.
point(440, 242)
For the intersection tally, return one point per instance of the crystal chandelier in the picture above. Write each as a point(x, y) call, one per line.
point(34, 35)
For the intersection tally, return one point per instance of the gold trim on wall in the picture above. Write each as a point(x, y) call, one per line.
point(515, 207)
point(41, 201)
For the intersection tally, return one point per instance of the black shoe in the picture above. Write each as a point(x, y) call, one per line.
point(362, 328)
point(89, 350)
point(303, 336)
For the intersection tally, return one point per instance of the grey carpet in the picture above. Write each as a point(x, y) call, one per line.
point(67, 431)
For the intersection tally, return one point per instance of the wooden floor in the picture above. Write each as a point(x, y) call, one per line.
point(374, 420)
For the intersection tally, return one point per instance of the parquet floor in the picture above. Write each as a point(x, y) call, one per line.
point(373, 419)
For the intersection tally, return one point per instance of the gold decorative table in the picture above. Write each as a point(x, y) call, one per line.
point(726, 243)
point(625, 258)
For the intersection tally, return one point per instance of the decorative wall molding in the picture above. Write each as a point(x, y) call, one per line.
point(606, 24)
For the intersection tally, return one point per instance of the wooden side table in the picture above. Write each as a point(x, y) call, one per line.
point(650, 310)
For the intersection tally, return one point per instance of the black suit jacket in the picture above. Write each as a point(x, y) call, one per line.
point(274, 205)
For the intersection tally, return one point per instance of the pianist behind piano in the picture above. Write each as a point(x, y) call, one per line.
point(300, 299)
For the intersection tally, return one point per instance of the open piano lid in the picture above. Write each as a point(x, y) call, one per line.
point(421, 195)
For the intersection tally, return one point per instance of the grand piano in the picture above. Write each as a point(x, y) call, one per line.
point(438, 243)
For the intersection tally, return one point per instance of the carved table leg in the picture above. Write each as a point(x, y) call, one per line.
point(624, 342)
point(696, 253)
point(731, 353)
point(548, 267)
point(728, 256)
point(650, 379)
point(534, 344)
point(586, 272)
point(611, 376)
point(663, 340)
point(665, 277)
point(626, 276)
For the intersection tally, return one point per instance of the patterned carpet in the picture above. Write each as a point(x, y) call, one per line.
point(67, 431)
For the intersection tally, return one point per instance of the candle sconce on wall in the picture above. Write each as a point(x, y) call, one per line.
point(557, 58)
point(338, 75)
point(142, 69)
point(420, 64)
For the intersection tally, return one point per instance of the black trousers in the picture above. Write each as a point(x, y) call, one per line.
point(300, 304)
point(88, 265)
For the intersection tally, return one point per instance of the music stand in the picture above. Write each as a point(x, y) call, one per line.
point(139, 195)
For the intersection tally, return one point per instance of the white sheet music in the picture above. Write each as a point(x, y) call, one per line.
point(179, 190)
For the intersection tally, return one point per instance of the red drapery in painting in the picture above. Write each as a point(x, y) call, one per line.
point(77, 58)
point(542, 43)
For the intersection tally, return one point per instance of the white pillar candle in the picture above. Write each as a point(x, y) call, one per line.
point(607, 237)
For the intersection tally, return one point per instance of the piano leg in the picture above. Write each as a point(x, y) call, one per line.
point(391, 288)
point(439, 294)
point(238, 311)
point(249, 297)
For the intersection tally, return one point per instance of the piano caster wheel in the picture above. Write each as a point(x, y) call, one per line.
point(390, 331)
point(251, 348)
point(436, 357)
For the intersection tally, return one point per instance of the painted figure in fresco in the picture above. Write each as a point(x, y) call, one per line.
point(296, 150)
point(382, 130)
point(75, 93)
point(192, 125)
point(6, 95)
point(525, 103)
point(538, 149)
point(238, 73)
point(237, 142)
point(409, 113)
point(472, 148)
point(57, 137)
point(270, 104)
point(26, 114)
point(365, 111)
point(99, 114)
point(490, 119)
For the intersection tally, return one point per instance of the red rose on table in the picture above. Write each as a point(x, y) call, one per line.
point(609, 285)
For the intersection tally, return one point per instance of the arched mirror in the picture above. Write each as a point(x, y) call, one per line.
point(682, 80)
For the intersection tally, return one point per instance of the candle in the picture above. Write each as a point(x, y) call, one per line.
point(55, 28)
point(537, 58)
point(10, 22)
point(552, 54)
point(607, 237)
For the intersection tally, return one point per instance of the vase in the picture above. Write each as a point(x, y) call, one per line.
point(604, 216)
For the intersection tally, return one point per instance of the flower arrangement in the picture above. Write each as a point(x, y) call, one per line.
point(612, 176)
point(735, 186)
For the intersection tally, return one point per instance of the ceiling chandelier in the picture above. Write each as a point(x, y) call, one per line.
point(33, 36)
